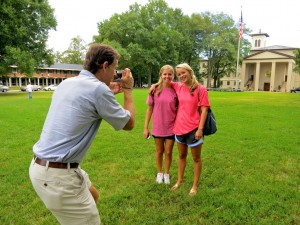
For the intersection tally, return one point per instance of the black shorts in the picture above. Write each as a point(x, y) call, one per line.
point(172, 137)
point(189, 139)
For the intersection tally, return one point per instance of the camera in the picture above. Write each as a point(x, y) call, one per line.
point(118, 75)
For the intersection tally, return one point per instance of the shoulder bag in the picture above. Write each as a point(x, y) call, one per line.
point(210, 126)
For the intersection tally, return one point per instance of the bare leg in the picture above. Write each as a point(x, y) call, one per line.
point(183, 150)
point(159, 146)
point(196, 154)
point(169, 143)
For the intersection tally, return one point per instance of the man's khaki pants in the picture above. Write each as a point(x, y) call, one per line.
point(65, 192)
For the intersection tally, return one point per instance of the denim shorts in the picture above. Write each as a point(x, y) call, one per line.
point(189, 139)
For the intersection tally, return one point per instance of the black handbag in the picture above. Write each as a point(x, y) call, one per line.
point(210, 126)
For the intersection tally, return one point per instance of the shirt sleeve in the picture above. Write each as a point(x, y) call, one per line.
point(203, 97)
point(110, 110)
point(150, 100)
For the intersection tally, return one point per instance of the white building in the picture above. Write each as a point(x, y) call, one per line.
point(266, 68)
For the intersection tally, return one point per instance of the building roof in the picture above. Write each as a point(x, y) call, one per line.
point(64, 66)
point(259, 34)
point(274, 47)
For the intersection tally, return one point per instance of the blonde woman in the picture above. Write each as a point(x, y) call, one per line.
point(189, 123)
point(162, 107)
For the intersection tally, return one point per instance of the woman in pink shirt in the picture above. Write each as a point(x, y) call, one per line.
point(188, 128)
point(162, 105)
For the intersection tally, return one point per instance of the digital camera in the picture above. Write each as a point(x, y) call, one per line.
point(118, 75)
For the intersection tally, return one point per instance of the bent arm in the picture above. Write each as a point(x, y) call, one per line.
point(199, 132)
point(147, 121)
point(129, 105)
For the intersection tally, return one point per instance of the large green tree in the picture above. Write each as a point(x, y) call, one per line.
point(218, 41)
point(153, 35)
point(297, 60)
point(24, 27)
point(74, 54)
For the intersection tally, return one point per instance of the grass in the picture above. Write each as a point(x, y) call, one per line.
point(250, 166)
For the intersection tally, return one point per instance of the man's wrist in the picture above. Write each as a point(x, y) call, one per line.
point(128, 88)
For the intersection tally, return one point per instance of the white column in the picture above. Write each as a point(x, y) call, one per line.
point(272, 83)
point(257, 72)
point(243, 76)
point(289, 77)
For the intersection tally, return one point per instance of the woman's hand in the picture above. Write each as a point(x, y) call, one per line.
point(146, 133)
point(198, 134)
point(152, 89)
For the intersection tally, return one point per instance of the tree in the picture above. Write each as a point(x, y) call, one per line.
point(217, 36)
point(153, 35)
point(297, 60)
point(24, 27)
point(74, 54)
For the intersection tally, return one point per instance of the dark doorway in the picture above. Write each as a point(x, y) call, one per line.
point(266, 86)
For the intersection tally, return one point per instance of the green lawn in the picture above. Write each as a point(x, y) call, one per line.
point(250, 166)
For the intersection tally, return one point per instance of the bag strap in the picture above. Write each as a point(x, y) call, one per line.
point(209, 109)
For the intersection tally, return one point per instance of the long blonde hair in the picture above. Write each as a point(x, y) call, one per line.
point(195, 82)
point(160, 81)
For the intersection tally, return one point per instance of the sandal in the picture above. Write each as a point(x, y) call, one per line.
point(193, 192)
point(175, 187)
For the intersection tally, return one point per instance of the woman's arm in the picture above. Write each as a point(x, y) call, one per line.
point(147, 121)
point(199, 132)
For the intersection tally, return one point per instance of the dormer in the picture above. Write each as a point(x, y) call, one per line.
point(259, 40)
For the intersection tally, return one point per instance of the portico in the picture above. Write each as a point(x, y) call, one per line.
point(269, 70)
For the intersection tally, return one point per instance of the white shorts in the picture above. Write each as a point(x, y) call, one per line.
point(65, 192)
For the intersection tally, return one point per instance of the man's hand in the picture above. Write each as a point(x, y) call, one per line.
point(127, 79)
point(115, 87)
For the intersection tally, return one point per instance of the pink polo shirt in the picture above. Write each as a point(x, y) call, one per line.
point(188, 117)
point(164, 112)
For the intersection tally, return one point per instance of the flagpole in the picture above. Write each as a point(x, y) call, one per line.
point(237, 65)
point(238, 52)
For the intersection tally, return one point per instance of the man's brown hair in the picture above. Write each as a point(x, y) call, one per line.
point(97, 55)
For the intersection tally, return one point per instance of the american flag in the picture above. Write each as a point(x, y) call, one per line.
point(241, 27)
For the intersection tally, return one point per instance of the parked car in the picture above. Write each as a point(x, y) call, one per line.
point(295, 90)
point(3, 88)
point(51, 87)
point(34, 88)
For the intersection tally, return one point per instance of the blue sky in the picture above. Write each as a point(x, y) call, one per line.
point(280, 19)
